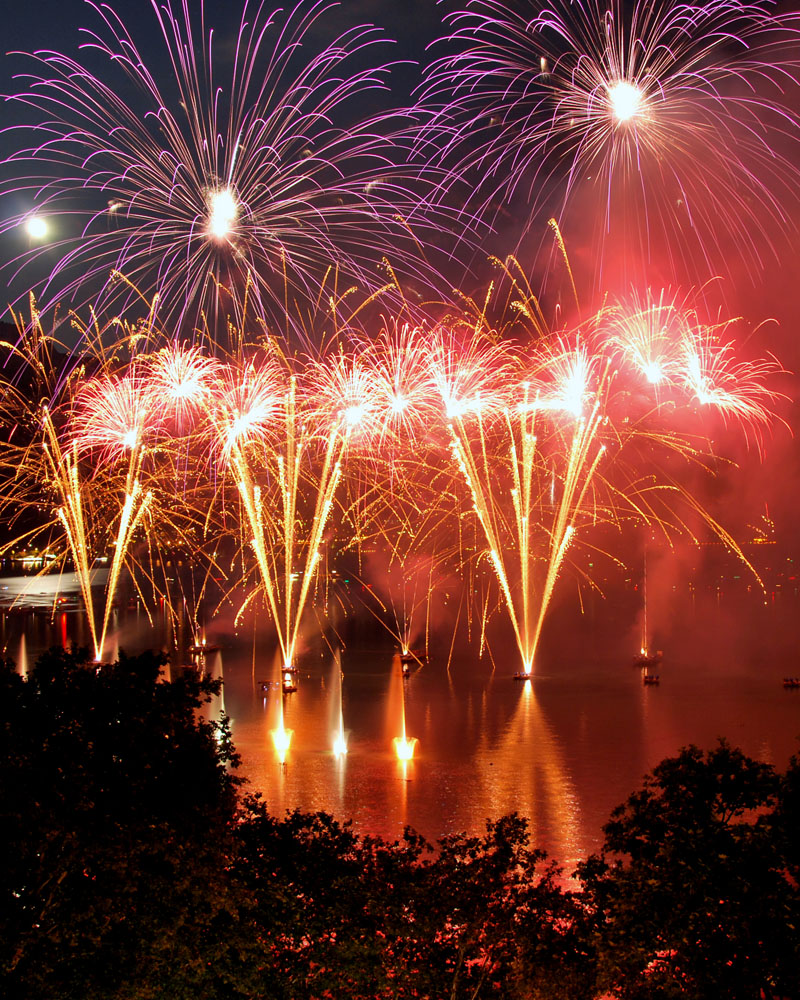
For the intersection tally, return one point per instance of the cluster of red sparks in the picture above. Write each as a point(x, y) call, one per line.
point(399, 431)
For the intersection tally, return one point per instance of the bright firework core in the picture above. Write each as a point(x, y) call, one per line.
point(37, 227)
point(222, 212)
point(625, 100)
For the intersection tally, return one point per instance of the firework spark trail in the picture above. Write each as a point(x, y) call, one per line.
point(64, 472)
point(95, 452)
point(185, 185)
point(678, 118)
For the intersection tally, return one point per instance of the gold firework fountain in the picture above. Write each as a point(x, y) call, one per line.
point(286, 488)
point(67, 481)
point(529, 500)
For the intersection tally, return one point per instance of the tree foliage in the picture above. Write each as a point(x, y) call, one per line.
point(135, 869)
point(114, 796)
point(691, 893)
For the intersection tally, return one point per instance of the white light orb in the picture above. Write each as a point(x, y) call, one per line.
point(36, 227)
point(625, 100)
point(222, 212)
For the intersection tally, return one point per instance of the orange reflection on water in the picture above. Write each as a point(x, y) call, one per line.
point(529, 775)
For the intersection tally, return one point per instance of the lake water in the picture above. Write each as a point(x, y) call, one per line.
point(562, 750)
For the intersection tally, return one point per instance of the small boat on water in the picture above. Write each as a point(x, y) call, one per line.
point(646, 660)
point(202, 649)
point(523, 675)
point(289, 680)
point(791, 683)
point(413, 656)
point(409, 657)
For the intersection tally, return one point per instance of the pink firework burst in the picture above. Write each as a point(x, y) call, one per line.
point(406, 401)
point(248, 405)
point(649, 334)
point(673, 124)
point(112, 415)
point(563, 376)
point(715, 377)
point(183, 381)
point(344, 390)
point(471, 373)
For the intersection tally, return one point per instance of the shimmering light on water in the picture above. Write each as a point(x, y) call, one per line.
point(562, 749)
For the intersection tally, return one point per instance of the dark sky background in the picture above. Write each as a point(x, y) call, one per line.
point(54, 24)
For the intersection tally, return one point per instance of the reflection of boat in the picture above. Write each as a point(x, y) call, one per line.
point(409, 657)
point(651, 679)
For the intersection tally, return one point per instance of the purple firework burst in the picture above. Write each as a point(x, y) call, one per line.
point(672, 125)
point(166, 180)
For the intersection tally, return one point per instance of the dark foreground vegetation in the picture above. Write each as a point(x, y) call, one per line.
point(134, 866)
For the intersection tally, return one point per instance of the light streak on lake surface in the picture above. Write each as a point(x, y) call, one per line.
point(562, 750)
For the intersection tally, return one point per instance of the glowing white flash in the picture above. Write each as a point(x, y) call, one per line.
point(653, 371)
point(281, 740)
point(353, 415)
point(222, 212)
point(404, 748)
point(36, 227)
point(625, 99)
